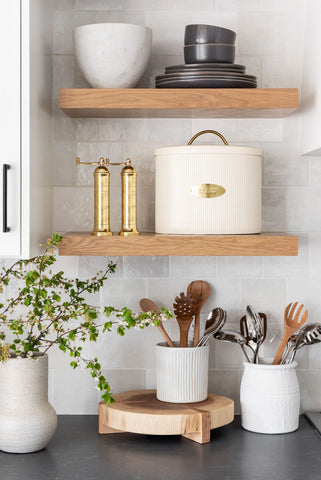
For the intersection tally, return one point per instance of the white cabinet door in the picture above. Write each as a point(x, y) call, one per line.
point(10, 129)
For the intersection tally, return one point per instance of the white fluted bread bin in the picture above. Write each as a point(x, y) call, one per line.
point(208, 189)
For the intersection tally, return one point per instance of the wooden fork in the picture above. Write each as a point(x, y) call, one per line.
point(184, 309)
point(291, 324)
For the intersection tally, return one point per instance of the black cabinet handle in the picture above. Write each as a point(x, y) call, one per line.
point(5, 227)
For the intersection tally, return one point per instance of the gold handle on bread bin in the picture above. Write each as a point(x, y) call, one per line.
point(207, 131)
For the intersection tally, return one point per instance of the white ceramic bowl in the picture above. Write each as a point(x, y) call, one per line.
point(112, 55)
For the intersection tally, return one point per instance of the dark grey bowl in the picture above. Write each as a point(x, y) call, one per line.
point(197, 33)
point(209, 53)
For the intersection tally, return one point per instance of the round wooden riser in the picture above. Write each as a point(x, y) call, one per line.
point(141, 412)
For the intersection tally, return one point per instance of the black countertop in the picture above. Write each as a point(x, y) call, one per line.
point(77, 452)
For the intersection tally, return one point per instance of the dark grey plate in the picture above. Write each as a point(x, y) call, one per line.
point(205, 70)
point(206, 83)
point(198, 74)
point(215, 66)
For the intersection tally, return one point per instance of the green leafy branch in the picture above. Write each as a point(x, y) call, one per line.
point(49, 309)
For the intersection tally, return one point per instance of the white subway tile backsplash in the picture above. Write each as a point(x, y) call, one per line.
point(234, 5)
point(239, 267)
point(310, 388)
point(225, 382)
point(303, 209)
point(273, 210)
point(306, 291)
point(124, 292)
point(146, 267)
point(80, 395)
point(266, 295)
point(282, 164)
point(121, 16)
point(124, 380)
point(73, 209)
point(267, 129)
point(122, 130)
point(89, 266)
point(97, 5)
point(281, 71)
point(192, 266)
point(255, 33)
point(87, 130)
point(64, 172)
point(288, 267)
point(64, 23)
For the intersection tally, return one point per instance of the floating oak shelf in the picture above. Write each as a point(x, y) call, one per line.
point(179, 102)
point(265, 244)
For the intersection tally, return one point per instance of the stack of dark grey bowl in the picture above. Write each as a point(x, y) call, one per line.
point(209, 54)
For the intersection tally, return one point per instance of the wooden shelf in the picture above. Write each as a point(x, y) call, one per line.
point(179, 102)
point(265, 244)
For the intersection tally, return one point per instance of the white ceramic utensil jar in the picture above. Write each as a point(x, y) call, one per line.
point(182, 373)
point(270, 398)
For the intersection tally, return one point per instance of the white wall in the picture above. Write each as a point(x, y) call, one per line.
point(270, 37)
point(311, 84)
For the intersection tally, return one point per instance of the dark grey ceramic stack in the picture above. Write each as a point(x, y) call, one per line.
point(209, 53)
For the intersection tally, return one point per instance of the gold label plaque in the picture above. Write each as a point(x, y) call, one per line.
point(207, 190)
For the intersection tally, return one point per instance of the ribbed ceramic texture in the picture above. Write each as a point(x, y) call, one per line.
point(270, 398)
point(237, 211)
point(182, 374)
point(27, 420)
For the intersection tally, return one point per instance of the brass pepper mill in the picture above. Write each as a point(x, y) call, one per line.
point(128, 186)
point(101, 201)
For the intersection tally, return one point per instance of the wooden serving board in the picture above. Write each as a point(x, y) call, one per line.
point(140, 412)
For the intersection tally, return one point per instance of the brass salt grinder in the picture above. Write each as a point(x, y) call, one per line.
point(101, 195)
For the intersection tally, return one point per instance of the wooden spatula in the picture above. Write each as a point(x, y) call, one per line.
point(199, 290)
point(148, 305)
point(184, 309)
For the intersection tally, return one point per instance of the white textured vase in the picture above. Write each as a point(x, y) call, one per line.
point(182, 373)
point(27, 420)
point(270, 398)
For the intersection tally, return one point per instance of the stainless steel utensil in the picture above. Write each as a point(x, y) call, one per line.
point(256, 331)
point(307, 335)
point(233, 336)
point(215, 321)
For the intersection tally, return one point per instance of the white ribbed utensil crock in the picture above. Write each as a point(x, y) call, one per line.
point(182, 373)
point(270, 398)
point(27, 420)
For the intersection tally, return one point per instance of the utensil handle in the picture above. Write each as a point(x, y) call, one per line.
point(5, 169)
point(196, 329)
point(164, 334)
point(279, 353)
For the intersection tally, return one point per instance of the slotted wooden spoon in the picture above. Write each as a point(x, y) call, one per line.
point(148, 305)
point(291, 324)
point(199, 290)
point(184, 309)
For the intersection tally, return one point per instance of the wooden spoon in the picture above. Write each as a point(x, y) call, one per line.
point(148, 305)
point(184, 309)
point(199, 290)
point(291, 324)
